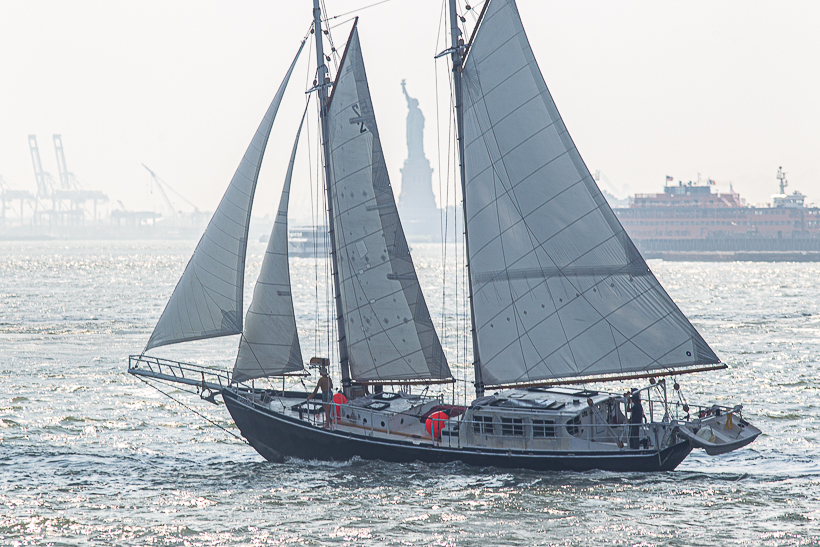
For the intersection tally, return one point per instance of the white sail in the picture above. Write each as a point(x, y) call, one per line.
point(269, 345)
point(389, 333)
point(559, 289)
point(207, 301)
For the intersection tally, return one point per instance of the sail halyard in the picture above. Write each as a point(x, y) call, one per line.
point(323, 82)
point(457, 55)
point(558, 288)
point(207, 301)
point(389, 333)
point(269, 345)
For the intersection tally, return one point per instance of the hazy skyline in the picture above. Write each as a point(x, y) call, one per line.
point(728, 90)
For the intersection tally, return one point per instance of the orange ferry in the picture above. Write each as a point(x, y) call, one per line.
point(690, 217)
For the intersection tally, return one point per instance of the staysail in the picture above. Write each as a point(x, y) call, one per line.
point(559, 289)
point(207, 301)
point(389, 333)
point(269, 345)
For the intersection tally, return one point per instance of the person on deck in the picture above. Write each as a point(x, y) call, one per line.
point(326, 384)
point(635, 420)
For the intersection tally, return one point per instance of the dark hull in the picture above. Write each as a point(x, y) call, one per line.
point(276, 436)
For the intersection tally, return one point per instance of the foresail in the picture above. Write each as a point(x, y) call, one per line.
point(269, 345)
point(389, 333)
point(207, 301)
point(558, 287)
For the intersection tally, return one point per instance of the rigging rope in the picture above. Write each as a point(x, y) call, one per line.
point(355, 10)
point(330, 41)
point(443, 217)
point(194, 411)
point(452, 183)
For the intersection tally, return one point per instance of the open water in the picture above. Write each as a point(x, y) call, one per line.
point(92, 456)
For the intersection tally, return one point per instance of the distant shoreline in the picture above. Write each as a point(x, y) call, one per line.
point(739, 256)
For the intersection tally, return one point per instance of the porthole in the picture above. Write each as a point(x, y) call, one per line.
point(382, 424)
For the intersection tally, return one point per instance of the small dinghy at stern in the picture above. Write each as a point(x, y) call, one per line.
point(719, 430)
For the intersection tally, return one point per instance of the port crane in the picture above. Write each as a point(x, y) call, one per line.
point(162, 185)
point(67, 179)
point(45, 182)
point(8, 195)
point(68, 198)
point(156, 179)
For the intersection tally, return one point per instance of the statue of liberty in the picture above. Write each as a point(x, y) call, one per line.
point(417, 204)
point(415, 127)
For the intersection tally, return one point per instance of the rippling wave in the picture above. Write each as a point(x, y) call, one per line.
point(89, 455)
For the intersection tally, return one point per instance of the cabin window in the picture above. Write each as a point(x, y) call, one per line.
point(573, 425)
point(543, 428)
point(512, 426)
point(483, 425)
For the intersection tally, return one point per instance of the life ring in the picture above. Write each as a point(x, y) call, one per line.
point(339, 399)
point(435, 423)
point(729, 424)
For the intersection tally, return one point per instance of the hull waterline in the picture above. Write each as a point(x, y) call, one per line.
point(276, 436)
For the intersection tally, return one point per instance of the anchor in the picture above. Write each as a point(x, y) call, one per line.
point(206, 394)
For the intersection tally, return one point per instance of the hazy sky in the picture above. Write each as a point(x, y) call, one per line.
point(726, 89)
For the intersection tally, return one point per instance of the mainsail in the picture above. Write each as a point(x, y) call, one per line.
point(559, 289)
point(207, 301)
point(269, 346)
point(389, 333)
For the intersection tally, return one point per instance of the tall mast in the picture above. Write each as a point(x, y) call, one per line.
point(457, 49)
point(323, 82)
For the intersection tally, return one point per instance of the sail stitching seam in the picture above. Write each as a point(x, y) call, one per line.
point(618, 229)
point(628, 339)
point(498, 216)
point(501, 160)
point(514, 186)
point(532, 252)
point(522, 143)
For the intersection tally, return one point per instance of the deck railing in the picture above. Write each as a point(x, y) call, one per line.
point(212, 380)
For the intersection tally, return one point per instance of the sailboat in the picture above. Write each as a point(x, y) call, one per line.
point(560, 299)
